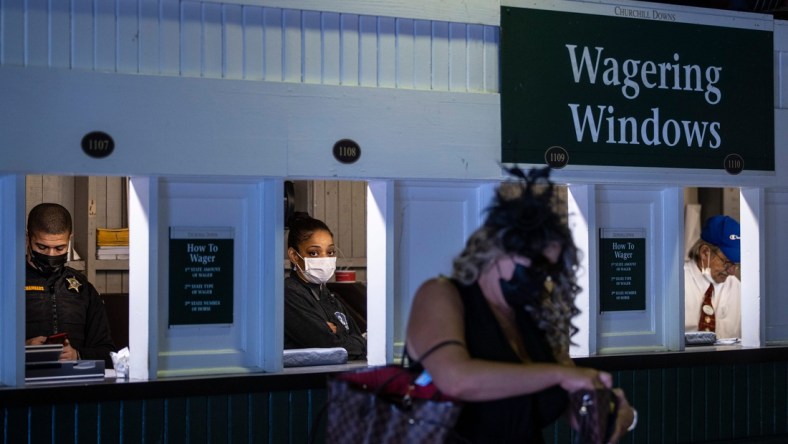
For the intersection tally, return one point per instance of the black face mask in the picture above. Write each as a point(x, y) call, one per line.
point(48, 265)
point(526, 286)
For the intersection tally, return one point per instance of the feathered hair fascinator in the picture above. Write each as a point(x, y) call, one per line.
point(523, 215)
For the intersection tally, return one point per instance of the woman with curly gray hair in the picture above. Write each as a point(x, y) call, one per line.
point(497, 333)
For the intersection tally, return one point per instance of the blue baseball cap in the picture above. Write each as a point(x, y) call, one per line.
point(723, 232)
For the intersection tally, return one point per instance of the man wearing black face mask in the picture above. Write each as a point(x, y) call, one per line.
point(59, 299)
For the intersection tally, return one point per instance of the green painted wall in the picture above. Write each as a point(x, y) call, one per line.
point(709, 403)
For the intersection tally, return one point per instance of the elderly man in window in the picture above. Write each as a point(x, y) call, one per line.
point(712, 290)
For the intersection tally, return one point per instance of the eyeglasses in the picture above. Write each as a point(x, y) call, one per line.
point(727, 264)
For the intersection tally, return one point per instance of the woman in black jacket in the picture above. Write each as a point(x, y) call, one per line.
point(314, 317)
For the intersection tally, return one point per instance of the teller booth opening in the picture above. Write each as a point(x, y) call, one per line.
point(100, 250)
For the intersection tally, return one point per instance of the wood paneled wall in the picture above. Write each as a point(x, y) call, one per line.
point(340, 204)
point(734, 403)
point(260, 418)
point(104, 200)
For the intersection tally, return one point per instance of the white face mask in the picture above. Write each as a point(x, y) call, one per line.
point(706, 273)
point(318, 270)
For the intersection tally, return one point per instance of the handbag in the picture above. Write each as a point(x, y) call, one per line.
point(387, 405)
point(595, 412)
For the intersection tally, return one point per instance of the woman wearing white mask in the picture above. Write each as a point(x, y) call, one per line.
point(313, 316)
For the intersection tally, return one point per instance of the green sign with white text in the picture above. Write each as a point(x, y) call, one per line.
point(635, 88)
point(622, 270)
point(201, 276)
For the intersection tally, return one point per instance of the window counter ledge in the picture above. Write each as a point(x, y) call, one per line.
point(690, 357)
point(111, 389)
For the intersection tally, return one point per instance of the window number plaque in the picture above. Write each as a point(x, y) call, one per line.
point(556, 157)
point(98, 144)
point(347, 151)
point(734, 164)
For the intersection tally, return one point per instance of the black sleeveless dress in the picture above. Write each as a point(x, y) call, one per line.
point(518, 419)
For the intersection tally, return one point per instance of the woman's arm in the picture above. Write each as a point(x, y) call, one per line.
point(437, 315)
point(626, 416)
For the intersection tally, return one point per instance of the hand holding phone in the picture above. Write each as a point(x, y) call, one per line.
point(57, 338)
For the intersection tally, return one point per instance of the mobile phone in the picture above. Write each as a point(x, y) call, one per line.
point(57, 338)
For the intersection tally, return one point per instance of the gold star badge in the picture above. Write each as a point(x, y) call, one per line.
point(73, 284)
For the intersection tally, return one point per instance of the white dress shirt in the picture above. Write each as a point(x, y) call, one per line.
point(726, 301)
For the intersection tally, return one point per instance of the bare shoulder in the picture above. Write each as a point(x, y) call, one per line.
point(438, 283)
point(436, 315)
point(436, 298)
point(436, 290)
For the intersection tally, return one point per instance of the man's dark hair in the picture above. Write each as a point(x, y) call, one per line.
point(49, 218)
point(302, 225)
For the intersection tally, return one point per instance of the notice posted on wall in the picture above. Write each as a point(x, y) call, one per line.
point(622, 269)
point(201, 275)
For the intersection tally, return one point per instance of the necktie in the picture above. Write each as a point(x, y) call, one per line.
point(707, 322)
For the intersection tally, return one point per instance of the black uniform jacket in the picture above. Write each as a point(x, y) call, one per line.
point(308, 308)
point(67, 303)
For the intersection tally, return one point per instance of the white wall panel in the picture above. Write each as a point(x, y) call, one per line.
point(191, 40)
point(387, 52)
point(440, 56)
point(458, 57)
point(349, 50)
point(222, 205)
point(212, 41)
point(331, 51)
point(781, 64)
point(475, 58)
point(233, 45)
point(471, 11)
point(273, 45)
point(37, 24)
point(13, 35)
point(83, 33)
point(128, 46)
point(293, 47)
point(169, 27)
point(642, 209)
point(426, 245)
point(168, 125)
point(581, 219)
point(215, 40)
point(368, 51)
point(406, 58)
point(422, 55)
point(12, 302)
point(105, 35)
point(150, 36)
point(253, 44)
point(59, 34)
point(781, 80)
point(774, 269)
point(490, 61)
point(312, 45)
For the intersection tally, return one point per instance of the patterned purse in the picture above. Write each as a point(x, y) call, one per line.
point(387, 405)
point(390, 404)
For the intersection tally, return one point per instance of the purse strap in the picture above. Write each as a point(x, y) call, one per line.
point(439, 345)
